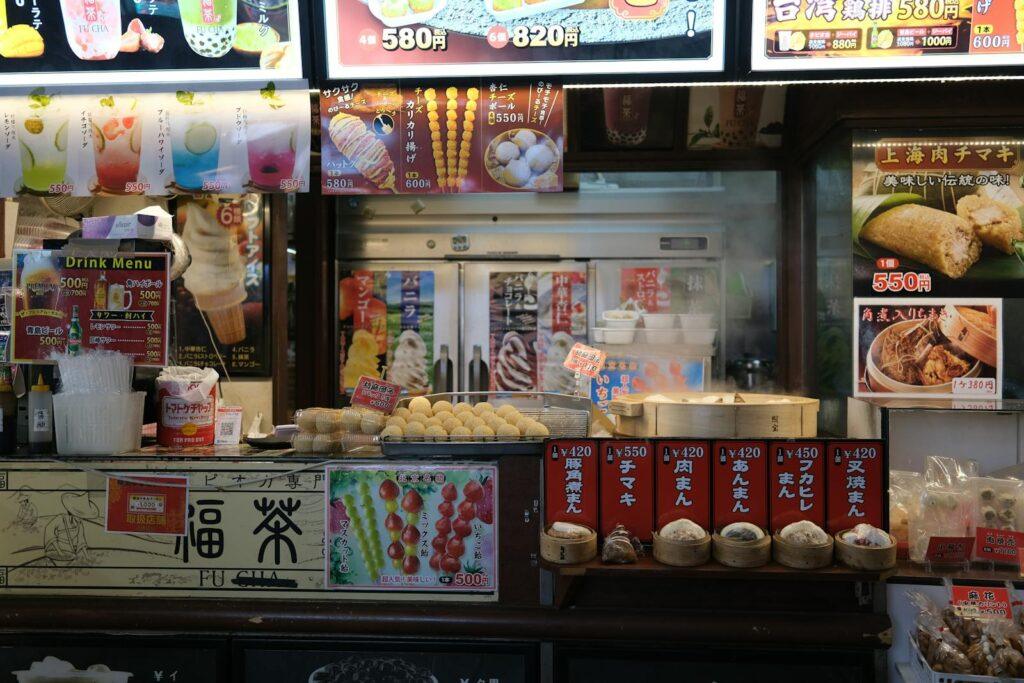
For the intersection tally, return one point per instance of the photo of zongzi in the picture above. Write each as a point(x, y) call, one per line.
point(939, 239)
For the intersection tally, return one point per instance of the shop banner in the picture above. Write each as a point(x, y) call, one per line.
point(857, 482)
point(441, 137)
point(254, 530)
point(155, 143)
point(451, 38)
point(682, 475)
point(627, 487)
point(928, 348)
point(227, 283)
point(740, 480)
point(802, 35)
point(535, 319)
point(412, 528)
point(66, 302)
point(796, 475)
point(570, 482)
point(148, 41)
point(151, 504)
point(937, 216)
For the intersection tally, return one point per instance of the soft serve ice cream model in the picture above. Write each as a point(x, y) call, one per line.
point(216, 277)
point(409, 366)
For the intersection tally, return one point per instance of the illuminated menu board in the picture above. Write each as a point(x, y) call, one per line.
point(44, 42)
point(536, 38)
point(799, 35)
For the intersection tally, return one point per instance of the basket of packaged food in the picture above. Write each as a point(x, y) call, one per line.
point(948, 647)
point(470, 423)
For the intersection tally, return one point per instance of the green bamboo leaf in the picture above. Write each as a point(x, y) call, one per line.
point(709, 116)
point(867, 206)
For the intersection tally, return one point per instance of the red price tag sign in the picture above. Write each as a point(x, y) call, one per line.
point(796, 482)
point(570, 482)
point(740, 480)
point(148, 504)
point(585, 360)
point(627, 487)
point(376, 394)
point(981, 602)
point(682, 479)
point(996, 545)
point(949, 549)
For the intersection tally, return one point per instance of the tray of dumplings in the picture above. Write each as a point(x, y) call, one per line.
point(483, 423)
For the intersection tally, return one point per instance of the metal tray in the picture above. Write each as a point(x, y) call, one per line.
point(408, 448)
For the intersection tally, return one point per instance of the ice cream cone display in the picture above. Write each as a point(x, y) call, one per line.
point(362, 148)
point(361, 359)
point(409, 365)
point(216, 277)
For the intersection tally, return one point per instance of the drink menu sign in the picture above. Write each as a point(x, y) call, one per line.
point(417, 38)
point(64, 303)
point(155, 143)
point(146, 41)
point(442, 137)
point(798, 35)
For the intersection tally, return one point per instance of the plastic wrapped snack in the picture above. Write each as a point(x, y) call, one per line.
point(620, 547)
point(905, 489)
point(943, 512)
point(997, 503)
point(804, 533)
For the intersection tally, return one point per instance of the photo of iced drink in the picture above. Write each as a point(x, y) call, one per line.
point(43, 142)
point(195, 146)
point(271, 146)
point(117, 143)
point(93, 27)
point(209, 25)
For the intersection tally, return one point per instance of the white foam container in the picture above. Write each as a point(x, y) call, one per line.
point(661, 337)
point(612, 336)
point(612, 321)
point(98, 424)
point(699, 337)
point(696, 321)
point(660, 321)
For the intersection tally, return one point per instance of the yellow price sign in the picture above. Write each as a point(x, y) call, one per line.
point(983, 29)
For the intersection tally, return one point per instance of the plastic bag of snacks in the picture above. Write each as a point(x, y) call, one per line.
point(945, 504)
point(329, 430)
point(905, 489)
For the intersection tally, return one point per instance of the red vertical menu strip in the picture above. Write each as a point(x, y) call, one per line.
point(682, 476)
point(740, 479)
point(627, 487)
point(856, 484)
point(570, 482)
point(796, 482)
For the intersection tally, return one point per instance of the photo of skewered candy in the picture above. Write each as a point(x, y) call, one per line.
point(434, 124)
point(452, 137)
point(468, 124)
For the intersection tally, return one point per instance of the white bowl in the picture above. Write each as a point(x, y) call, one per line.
point(614, 336)
point(660, 321)
point(696, 321)
point(699, 337)
point(622, 320)
point(663, 337)
point(598, 334)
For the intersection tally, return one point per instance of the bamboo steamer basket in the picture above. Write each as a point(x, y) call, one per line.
point(682, 553)
point(568, 550)
point(685, 414)
point(802, 556)
point(742, 554)
point(968, 337)
point(864, 557)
